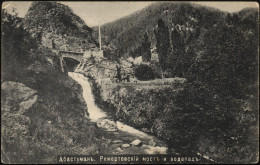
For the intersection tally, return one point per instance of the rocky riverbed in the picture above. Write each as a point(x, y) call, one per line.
point(118, 137)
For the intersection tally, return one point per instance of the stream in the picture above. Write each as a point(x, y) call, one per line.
point(120, 138)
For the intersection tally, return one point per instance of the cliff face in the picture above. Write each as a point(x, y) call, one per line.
point(58, 27)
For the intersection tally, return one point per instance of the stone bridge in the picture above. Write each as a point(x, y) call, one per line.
point(69, 54)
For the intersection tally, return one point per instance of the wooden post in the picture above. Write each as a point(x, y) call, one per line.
point(99, 32)
point(61, 64)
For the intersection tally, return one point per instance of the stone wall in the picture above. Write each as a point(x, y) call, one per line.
point(67, 43)
point(94, 53)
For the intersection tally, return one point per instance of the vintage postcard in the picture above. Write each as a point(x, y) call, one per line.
point(129, 82)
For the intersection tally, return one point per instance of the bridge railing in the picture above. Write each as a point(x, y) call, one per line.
point(70, 52)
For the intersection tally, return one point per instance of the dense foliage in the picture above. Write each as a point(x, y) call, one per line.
point(222, 73)
point(125, 33)
point(193, 120)
point(163, 43)
point(144, 72)
point(217, 113)
point(146, 48)
point(16, 44)
point(143, 50)
point(227, 60)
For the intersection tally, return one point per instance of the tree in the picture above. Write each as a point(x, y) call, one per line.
point(176, 57)
point(118, 73)
point(16, 46)
point(162, 44)
point(229, 60)
point(146, 52)
point(144, 72)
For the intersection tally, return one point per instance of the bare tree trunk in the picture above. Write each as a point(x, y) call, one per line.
point(162, 73)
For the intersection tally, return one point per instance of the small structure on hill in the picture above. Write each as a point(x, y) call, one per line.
point(138, 60)
point(154, 55)
point(93, 53)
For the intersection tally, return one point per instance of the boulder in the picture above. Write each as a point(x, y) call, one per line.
point(107, 124)
point(138, 60)
point(69, 141)
point(156, 150)
point(117, 141)
point(146, 130)
point(152, 143)
point(17, 97)
point(136, 142)
point(125, 145)
point(119, 149)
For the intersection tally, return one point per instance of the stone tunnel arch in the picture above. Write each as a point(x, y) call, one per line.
point(70, 63)
point(70, 60)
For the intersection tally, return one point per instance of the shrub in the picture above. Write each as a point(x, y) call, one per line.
point(144, 72)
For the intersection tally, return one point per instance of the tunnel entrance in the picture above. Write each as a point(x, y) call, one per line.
point(71, 63)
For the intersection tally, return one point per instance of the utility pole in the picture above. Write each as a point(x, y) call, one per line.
point(99, 34)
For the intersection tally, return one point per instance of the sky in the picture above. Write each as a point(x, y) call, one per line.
point(98, 13)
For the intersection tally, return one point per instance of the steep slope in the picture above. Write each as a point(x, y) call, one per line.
point(58, 26)
point(127, 33)
point(248, 16)
point(43, 113)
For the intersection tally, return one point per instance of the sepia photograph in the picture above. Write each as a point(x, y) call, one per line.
point(130, 82)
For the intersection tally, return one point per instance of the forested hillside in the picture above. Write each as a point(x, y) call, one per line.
point(127, 33)
point(218, 54)
point(192, 41)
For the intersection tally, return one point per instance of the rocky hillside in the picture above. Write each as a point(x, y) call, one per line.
point(43, 113)
point(57, 26)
